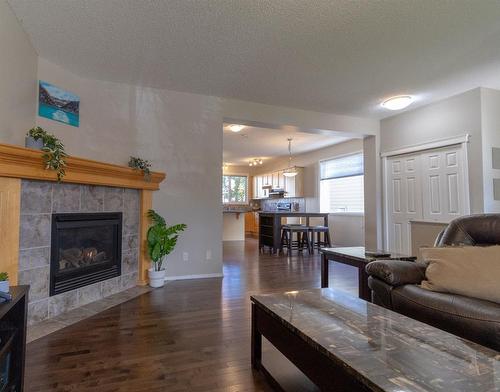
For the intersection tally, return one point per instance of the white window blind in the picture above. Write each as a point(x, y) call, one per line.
point(342, 184)
point(351, 165)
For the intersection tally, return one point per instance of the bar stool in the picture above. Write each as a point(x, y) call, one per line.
point(287, 232)
point(316, 241)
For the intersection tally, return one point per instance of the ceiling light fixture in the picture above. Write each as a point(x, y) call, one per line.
point(236, 128)
point(255, 162)
point(290, 171)
point(397, 103)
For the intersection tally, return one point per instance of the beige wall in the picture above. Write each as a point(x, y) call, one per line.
point(179, 133)
point(234, 227)
point(312, 158)
point(490, 120)
point(452, 117)
point(278, 117)
point(18, 62)
point(310, 162)
point(423, 235)
point(373, 193)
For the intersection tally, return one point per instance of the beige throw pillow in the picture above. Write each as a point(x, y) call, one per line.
point(472, 271)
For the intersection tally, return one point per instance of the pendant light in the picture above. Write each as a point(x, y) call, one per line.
point(290, 171)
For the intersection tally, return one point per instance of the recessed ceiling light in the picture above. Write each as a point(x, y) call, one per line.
point(236, 127)
point(397, 103)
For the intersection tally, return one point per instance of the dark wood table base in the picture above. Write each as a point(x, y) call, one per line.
point(364, 291)
point(356, 257)
point(319, 368)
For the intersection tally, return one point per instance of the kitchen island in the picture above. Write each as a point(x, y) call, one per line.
point(270, 225)
point(234, 223)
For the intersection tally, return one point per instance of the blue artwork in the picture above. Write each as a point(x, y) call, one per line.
point(58, 105)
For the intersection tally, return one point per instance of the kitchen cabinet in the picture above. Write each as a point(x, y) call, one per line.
point(275, 180)
point(252, 223)
point(257, 187)
point(293, 186)
point(281, 179)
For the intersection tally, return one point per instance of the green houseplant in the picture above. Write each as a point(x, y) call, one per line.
point(141, 164)
point(54, 155)
point(161, 241)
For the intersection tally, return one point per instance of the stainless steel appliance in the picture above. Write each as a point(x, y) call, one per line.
point(277, 193)
point(284, 206)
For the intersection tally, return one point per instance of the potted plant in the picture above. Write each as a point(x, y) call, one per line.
point(4, 282)
point(53, 150)
point(161, 241)
point(141, 164)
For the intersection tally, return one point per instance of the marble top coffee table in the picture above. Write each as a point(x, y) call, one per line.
point(343, 343)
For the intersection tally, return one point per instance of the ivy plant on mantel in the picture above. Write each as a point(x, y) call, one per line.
point(54, 154)
point(20, 162)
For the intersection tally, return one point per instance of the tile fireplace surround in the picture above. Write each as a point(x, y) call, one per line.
point(39, 199)
point(29, 195)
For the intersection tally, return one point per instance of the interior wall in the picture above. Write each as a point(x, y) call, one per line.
point(373, 193)
point(346, 229)
point(490, 120)
point(181, 134)
point(234, 227)
point(269, 116)
point(452, 117)
point(310, 162)
point(18, 64)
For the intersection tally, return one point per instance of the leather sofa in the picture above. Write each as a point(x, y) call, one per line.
point(395, 285)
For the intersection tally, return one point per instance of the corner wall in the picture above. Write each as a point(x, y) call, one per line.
point(452, 117)
point(490, 120)
point(181, 134)
point(18, 65)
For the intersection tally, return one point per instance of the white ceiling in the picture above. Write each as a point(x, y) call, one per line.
point(339, 56)
point(252, 142)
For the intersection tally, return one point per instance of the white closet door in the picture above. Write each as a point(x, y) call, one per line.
point(404, 200)
point(443, 184)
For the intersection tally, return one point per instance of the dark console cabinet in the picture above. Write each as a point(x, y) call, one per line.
point(13, 340)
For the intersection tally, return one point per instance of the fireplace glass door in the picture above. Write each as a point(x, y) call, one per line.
point(86, 248)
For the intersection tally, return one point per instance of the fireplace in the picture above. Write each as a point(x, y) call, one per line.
point(85, 249)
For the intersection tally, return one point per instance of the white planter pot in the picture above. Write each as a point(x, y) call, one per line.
point(4, 286)
point(156, 278)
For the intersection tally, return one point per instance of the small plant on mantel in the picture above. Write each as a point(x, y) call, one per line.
point(141, 164)
point(54, 155)
point(161, 241)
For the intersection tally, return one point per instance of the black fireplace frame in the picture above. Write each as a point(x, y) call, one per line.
point(61, 282)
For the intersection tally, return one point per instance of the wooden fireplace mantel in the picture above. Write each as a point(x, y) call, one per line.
point(20, 162)
point(17, 163)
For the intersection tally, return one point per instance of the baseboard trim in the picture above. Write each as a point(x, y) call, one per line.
point(200, 276)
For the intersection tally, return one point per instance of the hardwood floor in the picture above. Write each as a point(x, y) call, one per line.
point(191, 335)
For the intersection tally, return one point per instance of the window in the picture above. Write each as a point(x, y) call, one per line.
point(234, 189)
point(342, 184)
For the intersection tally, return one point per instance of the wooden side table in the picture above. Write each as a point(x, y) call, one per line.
point(354, 256)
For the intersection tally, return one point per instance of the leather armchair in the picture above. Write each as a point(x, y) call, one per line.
point(395, 285)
